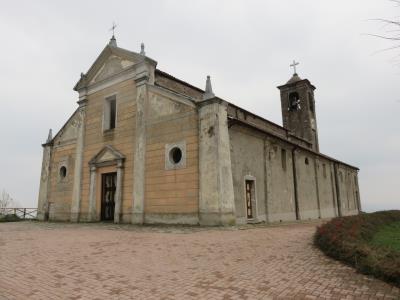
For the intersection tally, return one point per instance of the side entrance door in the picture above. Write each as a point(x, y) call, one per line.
point(249, 199)
point(108, 188)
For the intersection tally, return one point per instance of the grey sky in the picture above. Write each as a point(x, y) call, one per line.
point(246, 47)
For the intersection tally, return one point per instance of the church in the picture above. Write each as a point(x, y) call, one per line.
point(144, 147)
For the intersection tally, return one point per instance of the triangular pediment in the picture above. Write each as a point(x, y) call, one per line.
point(111, 61)
point(107, 154)
point(113, 65)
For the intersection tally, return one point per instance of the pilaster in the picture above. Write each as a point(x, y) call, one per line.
point(43, 201)
point(77, 184)
point(144, 76)
point(216, 203)
point(92, 214)
point(118, 193)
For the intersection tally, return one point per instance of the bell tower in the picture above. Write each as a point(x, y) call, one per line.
point(298, 108)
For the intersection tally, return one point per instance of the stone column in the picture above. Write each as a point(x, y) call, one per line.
point(144, 76)
point(216, 203)
point(118, 193)
point(77, 184)
point(92, 214)
point(43, 201)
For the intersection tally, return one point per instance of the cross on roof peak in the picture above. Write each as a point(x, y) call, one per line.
point(113, 27)
point(293, 65)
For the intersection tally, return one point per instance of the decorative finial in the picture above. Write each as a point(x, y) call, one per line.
point(113, 41)
point(50, 136)
point(209, 92)
point(293, 65)
point(142, 49)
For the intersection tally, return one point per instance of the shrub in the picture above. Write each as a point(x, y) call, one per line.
point(9, 218)
point(348, 239)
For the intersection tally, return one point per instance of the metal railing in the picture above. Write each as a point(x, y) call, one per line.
point(23, 213)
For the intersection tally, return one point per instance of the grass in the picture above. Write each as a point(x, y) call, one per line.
point(368, 242)
point(388, 236)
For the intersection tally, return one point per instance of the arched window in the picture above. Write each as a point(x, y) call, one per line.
point(294, 101)
point(63, 172)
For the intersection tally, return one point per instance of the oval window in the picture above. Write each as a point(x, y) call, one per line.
point(175, 155)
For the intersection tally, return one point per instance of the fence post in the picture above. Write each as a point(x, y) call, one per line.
point(24, 213)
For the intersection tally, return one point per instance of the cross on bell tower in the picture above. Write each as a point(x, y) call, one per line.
point(293, 65)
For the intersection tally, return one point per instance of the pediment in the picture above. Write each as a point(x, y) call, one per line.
point(111, 61)
point(107, 155)
point(69, 132)
point(113, 65)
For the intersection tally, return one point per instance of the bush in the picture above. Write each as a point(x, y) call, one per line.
point(9, 218)
point(348, 239)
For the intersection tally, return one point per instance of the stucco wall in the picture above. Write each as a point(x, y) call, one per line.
point(60, 191)
point(280, 185)
point(171, 193)
point(326, 188)
point(247, 156)
point(121, 138)
point(270, 161)
point(174, 85)
point(306, 185)
point(347, 188)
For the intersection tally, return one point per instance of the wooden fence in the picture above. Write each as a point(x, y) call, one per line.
point(23, 213)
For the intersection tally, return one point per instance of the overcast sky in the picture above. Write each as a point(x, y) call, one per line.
point(246, 47)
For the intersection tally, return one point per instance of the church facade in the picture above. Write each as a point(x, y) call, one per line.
point(146, 147)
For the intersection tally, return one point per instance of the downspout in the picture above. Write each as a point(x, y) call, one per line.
point(339, 202)
point(296, 203)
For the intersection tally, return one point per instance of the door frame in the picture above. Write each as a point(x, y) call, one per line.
point(254, 202)
point(102, 202)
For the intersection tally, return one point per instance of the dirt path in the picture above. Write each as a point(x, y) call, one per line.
point(98, 261)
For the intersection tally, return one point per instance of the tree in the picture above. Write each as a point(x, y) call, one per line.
point(5, 201)
point(392, 30)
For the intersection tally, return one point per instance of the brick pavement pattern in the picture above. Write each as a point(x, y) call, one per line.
point(105, 261)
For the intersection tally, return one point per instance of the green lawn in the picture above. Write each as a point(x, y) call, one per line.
point(388, 236)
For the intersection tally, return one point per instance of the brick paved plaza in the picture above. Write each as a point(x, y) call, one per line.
point(105, 261)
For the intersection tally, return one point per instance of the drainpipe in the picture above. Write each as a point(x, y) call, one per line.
point(296, 203)
point(339, 202)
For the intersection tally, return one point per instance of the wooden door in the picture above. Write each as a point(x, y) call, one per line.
point(249, 199)
point(108, 182)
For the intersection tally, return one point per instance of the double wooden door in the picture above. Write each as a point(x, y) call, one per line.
point(108, 188)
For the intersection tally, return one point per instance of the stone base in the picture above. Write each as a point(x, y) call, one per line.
point(137, 218)
point(74, 217)
point(282, 217)
point(217, 219)
point(168, 218)
point(41, 216)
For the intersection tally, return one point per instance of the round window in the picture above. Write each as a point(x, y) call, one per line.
point(175, 155)
point(63, 172)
